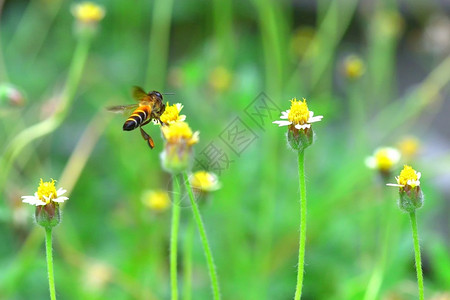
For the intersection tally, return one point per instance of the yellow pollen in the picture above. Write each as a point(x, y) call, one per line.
point(406, 174)
point(171, 114)
point(46, 190)
point(88, 12)
point(299, 113)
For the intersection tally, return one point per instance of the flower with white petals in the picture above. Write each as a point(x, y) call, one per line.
point(45, 194)
point(408, 178)
point(298, 116)
point(383, 159)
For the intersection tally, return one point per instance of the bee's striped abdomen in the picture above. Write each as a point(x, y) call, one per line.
point(138, 117)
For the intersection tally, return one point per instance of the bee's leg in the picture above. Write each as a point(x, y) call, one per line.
point(160, 122)
point(148, 138)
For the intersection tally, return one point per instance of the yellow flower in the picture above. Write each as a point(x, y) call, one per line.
point(157, 200)
point(408, 177)
point(354, 67)
point(180, 132)
point(45, 194)
point(220, 78)
point(384, 159)
point(409, 146)
point(88, 12)
point(204, 181)
point(172, 114)
point(298, 115)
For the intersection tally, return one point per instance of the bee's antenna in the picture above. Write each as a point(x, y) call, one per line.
point(168, 93)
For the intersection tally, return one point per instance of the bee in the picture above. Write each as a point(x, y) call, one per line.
point(149, 108)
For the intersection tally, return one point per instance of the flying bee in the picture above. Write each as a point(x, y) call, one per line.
point(150, 107)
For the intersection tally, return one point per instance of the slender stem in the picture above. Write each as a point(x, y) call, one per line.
point(417, 254)
point(187, 261)
point(301, 251)
point(48, 247)
point(206, 248)
point(174, 236)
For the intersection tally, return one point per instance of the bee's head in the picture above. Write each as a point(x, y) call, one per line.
point(157, 95)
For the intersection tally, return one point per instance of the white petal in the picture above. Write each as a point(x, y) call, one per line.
point(181, 117)
point(282, 123)
point(370, 162)
point(60, 192)
point(60, 199)
point(394, 184)
point(284, 117)
point(418, 175)
point(311, 114)
point(304, 126)
point(32, 200)
point(179, 107)
point(315, 119)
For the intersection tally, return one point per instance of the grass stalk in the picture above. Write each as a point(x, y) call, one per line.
point(302, 243)
point(204, 239)
point(49, 252)
point(417, 254)
point(174, 237)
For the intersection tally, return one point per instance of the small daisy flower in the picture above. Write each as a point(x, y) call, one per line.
point(409, 146)
point(180, 132)
point(172, 114)
point(204, 181)
point(156, 200)
point(408, 178)
point(45, 194)
point(383, 159)
point(353, 67)
point(88, 12)
point(178, 154)
point(298, 116)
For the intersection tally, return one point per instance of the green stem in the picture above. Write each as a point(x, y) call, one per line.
point(206, 248)
point(174, 237)
point(417, 254)
point(48, 246)
point(301, 251)
point(187, 262)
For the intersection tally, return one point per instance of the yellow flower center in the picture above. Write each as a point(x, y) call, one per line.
point(171, 114)
point(299, 113)
point(157, 201)
point(46, 191)
point(203, 180)
point(383, 160)
point(354, 67)
point(406, 174)
point(88, 12)
point(409, 146)
point(175, 132)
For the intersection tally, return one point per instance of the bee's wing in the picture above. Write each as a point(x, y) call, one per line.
point(138, 93)
point(124, 109)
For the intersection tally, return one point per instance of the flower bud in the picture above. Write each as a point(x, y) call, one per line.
point(48, 216)
point(300, 139)
point(410, 199)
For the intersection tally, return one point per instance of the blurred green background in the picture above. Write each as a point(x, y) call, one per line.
point(217, 57)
